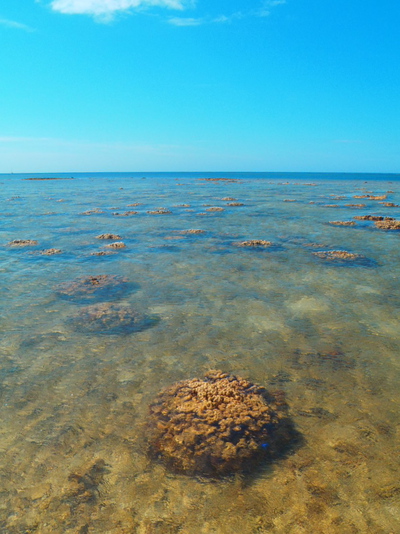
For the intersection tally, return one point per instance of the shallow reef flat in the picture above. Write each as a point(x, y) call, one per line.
point(114, 418)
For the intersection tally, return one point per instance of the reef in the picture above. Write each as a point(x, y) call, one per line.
point(253, 243)
point(108, 318)
point(22, 242)
point(117, 244)
point(217, 425)
point(390, 204)
point(161, 211)
point(235, 204)
point(355, 205)
point(368, 217)
point(192, 231)
point(388, 224)
point(371, 197)
point(92, 287)
point(92, 212)
point(125, 214)
point(229, 199)
point(102, 253)
point(342, 223)
point(336, 255)
point(108, 236)
point(215, 208)
point(50, 251)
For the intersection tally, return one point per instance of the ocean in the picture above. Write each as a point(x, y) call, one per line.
point(115, 286)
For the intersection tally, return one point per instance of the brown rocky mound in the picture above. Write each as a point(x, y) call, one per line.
point(109, 236)
point(336, 255)
point(388, 224)
point(94, 286)
point(342, 223)
point(217, 425)
point(253, 243)
point(109, 318)
point(22, 242)
point(372, 218)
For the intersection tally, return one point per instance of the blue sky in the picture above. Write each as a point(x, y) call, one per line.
point(199, 85)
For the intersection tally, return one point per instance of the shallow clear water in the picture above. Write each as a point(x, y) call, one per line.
point(75, 402)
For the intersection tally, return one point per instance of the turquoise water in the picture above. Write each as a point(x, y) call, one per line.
point(326, 331)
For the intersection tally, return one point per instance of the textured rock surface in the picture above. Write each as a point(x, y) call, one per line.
point(217, 425)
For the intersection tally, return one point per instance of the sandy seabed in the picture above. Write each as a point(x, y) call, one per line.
point(75, 405)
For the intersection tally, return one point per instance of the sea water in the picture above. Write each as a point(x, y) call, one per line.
point(326, 331)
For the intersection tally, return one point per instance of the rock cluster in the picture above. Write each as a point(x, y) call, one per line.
point(336, 255)
point(217, 425)
point(108, 318)
point(94, 286)
point(388, 224)
point(342, 223)
point(23, 242)
point(254, 243)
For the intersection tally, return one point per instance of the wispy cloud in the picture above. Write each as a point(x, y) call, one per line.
point(16, 25)
point(264, 10)
point(182, 21)
point(106, 9)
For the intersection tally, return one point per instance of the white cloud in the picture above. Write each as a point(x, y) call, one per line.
point(181, 21)
point(221, 19)
point(264, 10)
point(17, 25)
point(105, 9)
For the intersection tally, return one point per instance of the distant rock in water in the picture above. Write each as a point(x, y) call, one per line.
point(217, 425)
point(108, 318)
point(342, 223)
point(108, 236)
point(336, 255)
point(388, 224)
point(95, 287)
point(161, 211)
point(256, 243)
point(117, 244)
point(22, 243)
point(50, 251)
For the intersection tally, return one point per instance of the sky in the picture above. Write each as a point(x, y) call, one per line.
point(199, 85)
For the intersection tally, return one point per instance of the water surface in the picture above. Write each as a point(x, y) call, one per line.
point(75, 401)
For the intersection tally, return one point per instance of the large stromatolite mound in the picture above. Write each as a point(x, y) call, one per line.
point(107, 318)
point(217, 425)
point(95, 287)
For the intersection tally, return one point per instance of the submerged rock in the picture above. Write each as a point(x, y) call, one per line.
point(388, 224)
point(192, 231)
point(162, 211)
point(108, 236)
point(108, 318)
point(217, 425)
point(94, 287)
point(22, 242)
point(117, 244)
point(253, 243)
point(342, 223)
point(215, 208)
point(372, 218)
point(337, 255)
point(125, 214)
point(50, 251)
